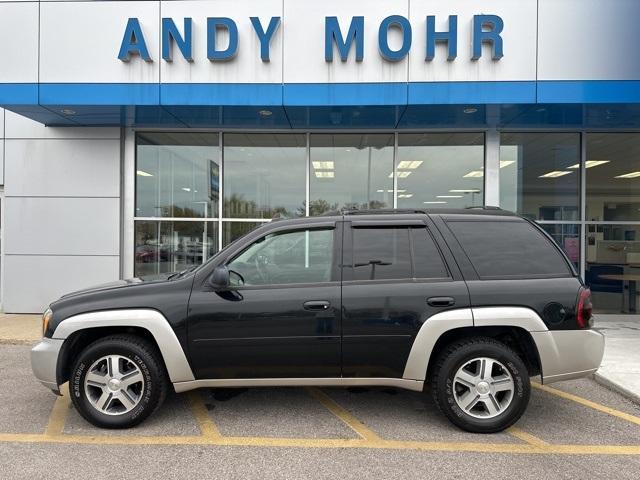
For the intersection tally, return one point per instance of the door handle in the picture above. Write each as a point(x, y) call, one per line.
point(317, 305)
point(441, 301)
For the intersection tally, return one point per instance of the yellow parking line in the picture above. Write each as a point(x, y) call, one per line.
point(588, 403)
point(200, 412)
point(343, 414)
point(325, 443)
point(527, 437)
point(59, 412)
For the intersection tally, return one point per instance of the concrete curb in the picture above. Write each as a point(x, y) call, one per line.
point(17, 341)
point(616, 387)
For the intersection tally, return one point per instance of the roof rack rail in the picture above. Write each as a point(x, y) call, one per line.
point(483, 207)
point(379, 211)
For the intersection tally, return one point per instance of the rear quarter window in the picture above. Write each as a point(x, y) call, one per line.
point(499, 249)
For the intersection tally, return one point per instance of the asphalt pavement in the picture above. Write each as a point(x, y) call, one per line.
point(576, 429)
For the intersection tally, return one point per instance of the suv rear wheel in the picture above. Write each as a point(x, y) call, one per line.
point(118, 381)
point(481, 385)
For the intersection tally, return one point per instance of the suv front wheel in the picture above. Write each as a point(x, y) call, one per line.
point(481, 385)
point(118, 381)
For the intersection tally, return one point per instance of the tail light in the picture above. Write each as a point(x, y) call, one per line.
point(584, 317)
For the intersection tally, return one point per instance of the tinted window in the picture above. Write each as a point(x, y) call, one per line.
point(303, 256)
point(503, 249)
point(381, 253)
point(427, 261)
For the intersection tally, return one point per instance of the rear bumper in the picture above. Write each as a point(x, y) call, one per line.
point(44, 362)
point(568, 354)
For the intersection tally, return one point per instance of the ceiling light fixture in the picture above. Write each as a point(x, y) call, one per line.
point(474, 174)
point(506, 163)
point(142, 173)
point(405, 195)
point(428, 203)
point(186, 189)
point(329, 165)
point(325, 174)
point(470, 110)
point(405, 164)
point(628, 175)
point(465, 190)
point(449, 196)
point(404, 174)
point(265, 113)
point(555, 174)
point(590, 164)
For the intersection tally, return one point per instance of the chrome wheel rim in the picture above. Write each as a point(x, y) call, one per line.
point(114, 385)
point(483, 388)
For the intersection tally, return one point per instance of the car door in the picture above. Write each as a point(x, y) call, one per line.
point(281, 315)
point(395, 277)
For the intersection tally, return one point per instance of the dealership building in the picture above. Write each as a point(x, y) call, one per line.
point(140, 137)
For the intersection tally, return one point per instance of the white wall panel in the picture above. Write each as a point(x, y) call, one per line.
point(17, 126)
point(247, 66)
point(304, 42)
point(62, 226)
point(63, 168)
point(80, 41)
point(19, 42)
point(519, 41)
point(588, 40)
point(32, 282)
point(1, 161)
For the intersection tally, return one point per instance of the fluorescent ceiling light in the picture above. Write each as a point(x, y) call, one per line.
point(449, 196)
point(404, 174)
point(474, 174)
point(327, 174)
point(629, 175)
point(390, 191)
point(506, 163)
point(409, 164)
point(465, 191)
point(589, 164)
point(323, 165)
point(405, 195)
point(555, 174)
point(186, 189)
point(142, 173)
point(434, 202)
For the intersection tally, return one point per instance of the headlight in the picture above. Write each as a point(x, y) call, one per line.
point(46, 317)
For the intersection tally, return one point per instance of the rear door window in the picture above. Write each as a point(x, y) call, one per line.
point(499, 249)
point(394, 253)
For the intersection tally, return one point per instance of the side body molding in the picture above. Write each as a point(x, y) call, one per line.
point(430, 332)
point(151, 320)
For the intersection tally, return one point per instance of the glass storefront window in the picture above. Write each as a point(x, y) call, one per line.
point(613, 267)
point(540, 175)
point(177, 175)
point(568, 238)
point(264, 175)
point(167, 246)
point(233, 230)
point(613, 177)
point(440, 170)
point(350, 171)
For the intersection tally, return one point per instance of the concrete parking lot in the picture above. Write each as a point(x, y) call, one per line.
point(575, 429)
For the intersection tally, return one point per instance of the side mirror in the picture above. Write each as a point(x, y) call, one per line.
point(220, 277)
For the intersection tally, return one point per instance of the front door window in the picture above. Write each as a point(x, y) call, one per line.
point(302, 256)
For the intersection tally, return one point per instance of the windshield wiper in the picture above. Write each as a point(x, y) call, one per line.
point(183, 272)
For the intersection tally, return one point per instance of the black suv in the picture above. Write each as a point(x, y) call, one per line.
point(470, 303)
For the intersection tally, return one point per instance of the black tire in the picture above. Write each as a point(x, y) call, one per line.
point(460, 353)
point(146, 358)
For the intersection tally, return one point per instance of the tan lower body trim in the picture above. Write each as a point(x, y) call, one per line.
point(414, 385)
